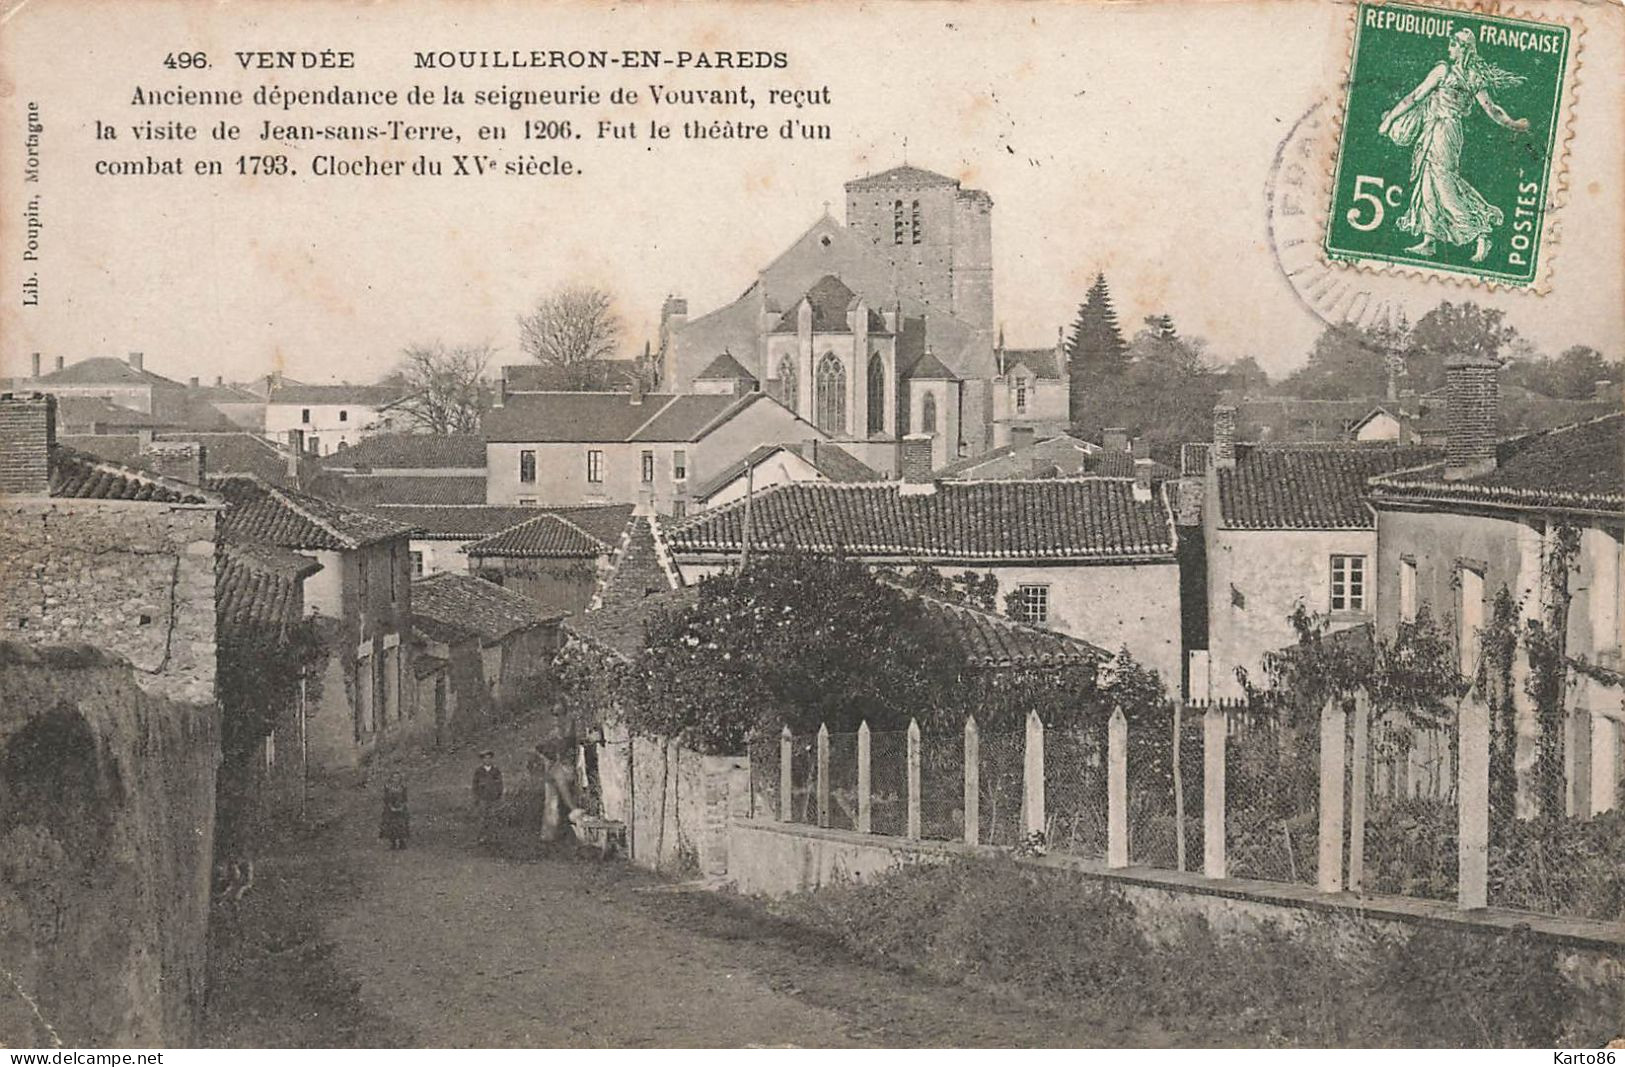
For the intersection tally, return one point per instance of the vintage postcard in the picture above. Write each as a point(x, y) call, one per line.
point(887, 524)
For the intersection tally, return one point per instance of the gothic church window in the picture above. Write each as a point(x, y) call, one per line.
point(897, 223)
point(787, 382)
point(877, 394)
point(928, 414)
point(831, 395)
point(916, 226)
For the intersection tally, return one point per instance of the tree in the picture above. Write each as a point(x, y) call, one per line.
point(1095, 352)
point(1573, 375)
point(1244, 377)
point(446, 388)
point(1347, 360)
point(1450, 332)
point(573, 329)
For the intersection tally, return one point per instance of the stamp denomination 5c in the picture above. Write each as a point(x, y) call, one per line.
point(1452, 125)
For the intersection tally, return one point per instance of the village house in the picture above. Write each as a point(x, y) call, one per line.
point(1031, 394)
point(556, 557)
point(330, 417)
point(192, 456)
point(1283, 526)
point(1092, 558)
point(480, 646)
point(769, 465)
point(574, 449)
point(104, 554)
point(1491, 515)
point(362, 601)
point(125, 383)
point(405, 468)
point(239, 404)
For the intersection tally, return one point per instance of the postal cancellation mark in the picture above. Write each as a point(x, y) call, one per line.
point(1451, 129)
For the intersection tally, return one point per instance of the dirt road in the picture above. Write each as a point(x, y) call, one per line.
point(447, 945)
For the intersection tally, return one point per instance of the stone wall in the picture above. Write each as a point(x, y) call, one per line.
point(677, 804)
point(106, 828)
point(134, 578)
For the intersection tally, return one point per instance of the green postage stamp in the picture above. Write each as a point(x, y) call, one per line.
point(1452, 128)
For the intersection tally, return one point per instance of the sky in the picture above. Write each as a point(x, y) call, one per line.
point(1131, 138)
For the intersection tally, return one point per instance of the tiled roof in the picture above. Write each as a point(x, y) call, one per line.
point(273, 515)
point(929, 368)
point(1307, 487)
point(455, 522)
point(1114, 464)
point(725, 368)
point(474, 605)
point(1041, 361)
point(223, 453)
point(84, 477)
point(411, 451)
point(1580, 466)
point(546, 536)
point(639, 568)
point(88, 410)
point(257, 587)
point(622, 628)
point(1063, 452)
point(1081, 518)
point(832, 461)
point(361, 395)
point(900, 176)
point(1193, 458)
point(611, 374)
point(102, 370)
point(993, 641)
point(364, 490)
point(607, 417)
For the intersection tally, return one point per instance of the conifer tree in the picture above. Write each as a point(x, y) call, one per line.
point(1096, 351)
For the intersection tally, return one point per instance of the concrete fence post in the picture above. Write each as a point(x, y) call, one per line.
point(1604, 762)
point(1117, 790)
point(787, 782)
point(1359, 787)
point(1032, 776)
point(973, 783)
point(863, 777)
point(823, 774)
point(1473, 803)
point(1333, 723)
point(913, 780)
point(1214, 731)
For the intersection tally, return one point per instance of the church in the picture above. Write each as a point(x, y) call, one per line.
point(879, 329)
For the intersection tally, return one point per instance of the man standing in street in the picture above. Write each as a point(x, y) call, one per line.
point(487, 792)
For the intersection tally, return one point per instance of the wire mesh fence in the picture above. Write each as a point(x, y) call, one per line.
point(764, 777)
point(1165, 789)
point(942, 787)
point(1000, 788)
point(843, 781)
point(803, 780)
point(1272, 796)
point(1411, 815)
point(888, 782)
point(1075, 803)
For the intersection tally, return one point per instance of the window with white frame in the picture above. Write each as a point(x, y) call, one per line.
point(527, 466)
point(1032, 604)
point(679, 465)
point(1348, 583)
point(417, 564)
point(648, 468)
point(1021, 394)
point(595, 465)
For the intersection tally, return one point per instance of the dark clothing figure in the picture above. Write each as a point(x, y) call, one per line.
point(395, 826)
point(487, 793)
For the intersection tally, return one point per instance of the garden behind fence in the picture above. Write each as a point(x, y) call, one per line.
point(1354, 798)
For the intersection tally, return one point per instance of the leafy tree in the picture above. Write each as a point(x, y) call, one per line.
point(1573, 375)
point(1243, 377)
point(1347, 360)
point(967, 587)
point(446, 387)
point(574, 329)
point(1450, 332)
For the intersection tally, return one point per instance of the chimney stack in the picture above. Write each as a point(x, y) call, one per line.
point(1116, 439)
point(137, 361)
point(143, 439)
point(501, 397)
point(60, 363)
point(1142, 480)
point(914, 463)
point(192, 382)
point(34, 360)
point(637, 390)
point(1139, 449)
point(181, 460)
point(219, 380)
point(1472, 409)
point(1224, 437)
point(27, 435)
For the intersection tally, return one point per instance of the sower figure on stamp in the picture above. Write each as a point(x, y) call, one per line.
point(1443, 206)
point(487, 794)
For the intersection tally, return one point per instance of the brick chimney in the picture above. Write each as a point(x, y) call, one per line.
point(914, 463)
point(1472, 409)
point(60, 362)
point(192, 382)
point(27, 435)
point(1224, 437)
point(637, 391)
point(219, 380)
point(1115, 439)
point(137, 360)
point(1142, 480)
point(181, 460)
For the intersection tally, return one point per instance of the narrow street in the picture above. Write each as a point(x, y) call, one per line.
point(448, 945)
